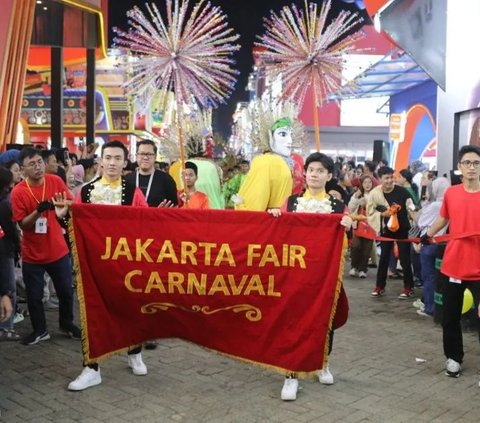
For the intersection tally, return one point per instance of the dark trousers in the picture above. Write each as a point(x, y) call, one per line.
point(416, 264)
point(404, 255)
point(7, 272)
point(452, 314)
point(428, 255)
point(330, 341)
point(61, 273)
point(360, 252)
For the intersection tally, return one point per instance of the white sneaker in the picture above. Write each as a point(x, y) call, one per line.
point(353, 272)
point(418, 303)
point(362, 274)
point(289, 390)
point(325, 377)
point(452, 368)
point(19, 317)
point(88, 378)
point(137, 365)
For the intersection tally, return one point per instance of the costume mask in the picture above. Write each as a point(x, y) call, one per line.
point(281, 137)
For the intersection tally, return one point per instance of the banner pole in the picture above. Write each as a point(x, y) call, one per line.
point(180, 141)
point(316, 122)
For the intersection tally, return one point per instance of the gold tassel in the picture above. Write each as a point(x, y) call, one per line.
point(80, 294)
point(337, 295)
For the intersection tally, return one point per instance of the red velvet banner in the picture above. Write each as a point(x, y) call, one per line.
point(246, 284)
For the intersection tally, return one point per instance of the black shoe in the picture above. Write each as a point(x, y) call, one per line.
point(418, 283)
point(35, 338)
point(151, 345)
point(72, 331)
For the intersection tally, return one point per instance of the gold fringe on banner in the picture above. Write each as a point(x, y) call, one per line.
point(279, 370)
point(80, 292)
point(341, 270)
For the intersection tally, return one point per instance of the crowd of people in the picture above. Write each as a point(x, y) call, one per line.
point(404, 210)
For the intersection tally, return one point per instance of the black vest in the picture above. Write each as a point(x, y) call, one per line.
point(128, 191)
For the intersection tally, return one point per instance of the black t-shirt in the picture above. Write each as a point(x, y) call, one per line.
point(163, 187)
point(61, 172)
point(10, 242)
point(399, 195)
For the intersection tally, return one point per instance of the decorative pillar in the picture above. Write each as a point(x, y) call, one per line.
point(56, 102)
point(16, 23)
point(91, 112)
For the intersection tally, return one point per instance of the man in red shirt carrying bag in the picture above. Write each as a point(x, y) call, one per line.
point(461, 262)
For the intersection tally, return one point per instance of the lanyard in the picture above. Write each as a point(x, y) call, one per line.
point(31, 192)
point(149, 184)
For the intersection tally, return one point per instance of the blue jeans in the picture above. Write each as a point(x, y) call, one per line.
point(61, 273)
point(7, 271)
point(429, 276)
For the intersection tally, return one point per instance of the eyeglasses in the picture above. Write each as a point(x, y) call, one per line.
point(468, 163)
point(38, 163)
point(147, 155)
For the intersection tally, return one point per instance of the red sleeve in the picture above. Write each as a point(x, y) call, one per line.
point(139, 199)
point(444, 208)
point(19, 207)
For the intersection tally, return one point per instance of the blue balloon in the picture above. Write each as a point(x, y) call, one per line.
point(360, 3)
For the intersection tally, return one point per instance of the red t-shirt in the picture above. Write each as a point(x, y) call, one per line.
point(40, 248)
point(462, 256)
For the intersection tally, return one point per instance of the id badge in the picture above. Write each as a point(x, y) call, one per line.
point(41, 225)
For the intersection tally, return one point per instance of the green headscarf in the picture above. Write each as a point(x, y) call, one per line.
point(282, 123)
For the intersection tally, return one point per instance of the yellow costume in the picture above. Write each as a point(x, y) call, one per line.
point(175, 172)
point(268, 185)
